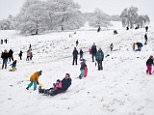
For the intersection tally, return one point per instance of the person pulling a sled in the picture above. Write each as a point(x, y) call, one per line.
point(83, 69)
point(34, 80)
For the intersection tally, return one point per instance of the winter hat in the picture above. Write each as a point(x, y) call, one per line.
point(40, 72)
point(58, 81)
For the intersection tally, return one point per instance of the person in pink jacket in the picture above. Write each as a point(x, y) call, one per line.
point(57, 85)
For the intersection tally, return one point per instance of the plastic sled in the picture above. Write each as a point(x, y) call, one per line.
point(85, 71)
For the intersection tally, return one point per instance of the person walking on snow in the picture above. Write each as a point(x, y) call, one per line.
point(149, 64)
point(75, 56)
point(100, 58)
point(20, 55)
point(93, 51)
point(77, 42)
point(11, 55)
point(146, 39)
point(34, 80)
point(1, 41)
point(83, 69)
point(111, 46)
point(146, 28)
point(28, 55)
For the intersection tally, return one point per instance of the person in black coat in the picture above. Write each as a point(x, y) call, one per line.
point(5, 41)
point(149, 64)
point(11, 55)
point(146, 39)
point(111, 46)
point(77, 42)
point(1, 41)
point(75, 56)
point(81, 54)
point(146, 28)
point(4, 56)
point(99, 29)
point(93, 51)
point(20, 55)
point(66, 83)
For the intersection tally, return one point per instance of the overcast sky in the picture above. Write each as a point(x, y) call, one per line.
point(108, 6)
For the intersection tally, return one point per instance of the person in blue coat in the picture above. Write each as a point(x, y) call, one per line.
point(13, 65)
point(100, 58)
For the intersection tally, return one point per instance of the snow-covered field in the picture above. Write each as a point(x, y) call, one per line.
point(122, 88)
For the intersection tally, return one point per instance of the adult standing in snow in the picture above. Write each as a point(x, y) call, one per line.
point(149, 64)
point(146, 39)
point(93, 51)
point(28, 55)
point(4, 57)
point(5, 41)
point(99, 29)
point(100, 58)
point(146, 28)
point(20, 55)
point(75, 56)
point(30, 47)
point(1, 41)
point(11, 55)
point(81, 54)
point(111, 46)
point(34, 80)
point(77, 42)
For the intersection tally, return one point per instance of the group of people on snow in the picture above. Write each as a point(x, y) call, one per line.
point(7, 57)
point(58, 87)
point(97, 55)
point(3, 41)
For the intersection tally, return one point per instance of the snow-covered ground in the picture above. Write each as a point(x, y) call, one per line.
point(122, 88)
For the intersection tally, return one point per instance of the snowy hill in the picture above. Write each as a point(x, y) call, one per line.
point(122, 88)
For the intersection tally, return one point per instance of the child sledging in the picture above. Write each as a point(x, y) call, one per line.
point(59, 87)
point(13, 66)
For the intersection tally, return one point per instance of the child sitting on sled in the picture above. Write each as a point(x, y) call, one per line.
point(13, 65)
point(59, 87)
point(56, 85)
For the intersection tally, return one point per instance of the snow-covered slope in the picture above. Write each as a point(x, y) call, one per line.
point(122, 88)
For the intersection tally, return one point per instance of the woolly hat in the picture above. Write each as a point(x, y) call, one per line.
point(40, 72)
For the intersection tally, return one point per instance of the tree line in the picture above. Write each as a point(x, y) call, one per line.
point(38, 16)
